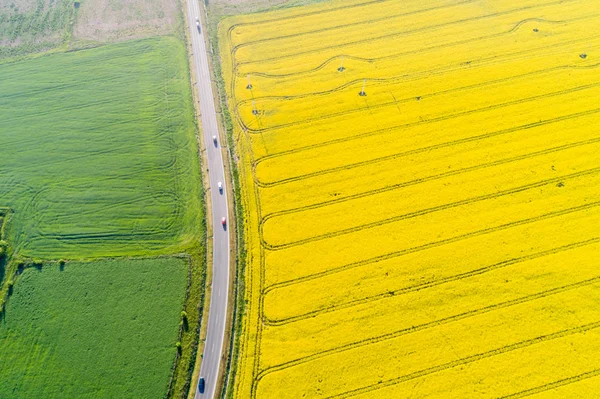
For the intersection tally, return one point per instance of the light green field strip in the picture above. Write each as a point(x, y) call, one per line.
point(98, 152)
point(105, 329)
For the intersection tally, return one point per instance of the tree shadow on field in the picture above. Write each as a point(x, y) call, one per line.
point(3, 262)
point(3, 247)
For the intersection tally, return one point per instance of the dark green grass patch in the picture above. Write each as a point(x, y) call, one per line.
point(98, 153)
point(105, 329)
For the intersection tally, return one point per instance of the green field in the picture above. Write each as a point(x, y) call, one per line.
point(98, 153)
point(105, 329)
point(28, 26)
point(99, 158)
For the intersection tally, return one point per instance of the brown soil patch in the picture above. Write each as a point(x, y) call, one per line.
point(219, 9)
point(222, 8)
point(116, 20)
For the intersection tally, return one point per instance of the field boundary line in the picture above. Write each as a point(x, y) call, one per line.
point(387, 17)
point(248, 274)
point(234, 26)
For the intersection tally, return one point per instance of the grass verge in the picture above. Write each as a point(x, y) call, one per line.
point(190, 324)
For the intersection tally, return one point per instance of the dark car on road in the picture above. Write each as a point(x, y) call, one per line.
point(201, 385)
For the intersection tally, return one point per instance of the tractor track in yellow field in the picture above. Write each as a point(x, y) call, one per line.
point(426, 211)
point(433, 147)
point(433, 244)
point(436, 323)
point(470, 359)
point(418, 287)
point(408, 32)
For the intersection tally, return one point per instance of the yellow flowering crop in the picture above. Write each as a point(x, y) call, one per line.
point(421, 182)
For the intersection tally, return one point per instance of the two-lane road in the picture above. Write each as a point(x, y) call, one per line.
point(217, 313)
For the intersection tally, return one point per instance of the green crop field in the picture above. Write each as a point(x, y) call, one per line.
point(98, 153)
point(99, 158)
point(105, 329)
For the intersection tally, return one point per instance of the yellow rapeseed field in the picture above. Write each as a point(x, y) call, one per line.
point(437, 236)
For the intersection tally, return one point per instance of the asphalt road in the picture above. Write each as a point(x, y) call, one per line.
point(213, 346)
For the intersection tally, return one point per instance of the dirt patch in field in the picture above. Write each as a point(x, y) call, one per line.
point(224, 8)
point(116, 20)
